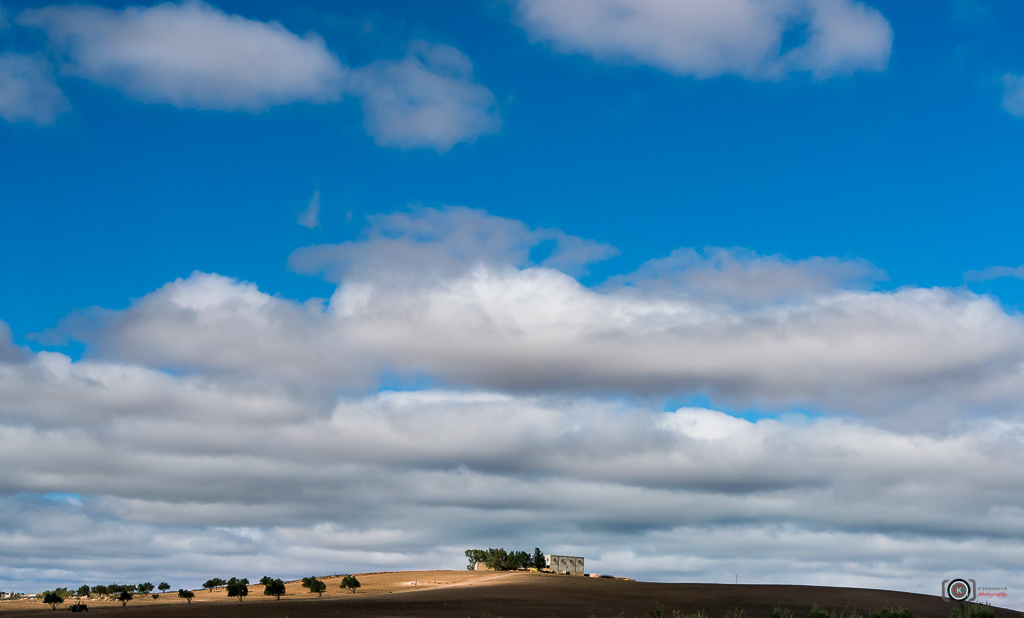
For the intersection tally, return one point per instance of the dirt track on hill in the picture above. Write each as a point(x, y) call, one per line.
point(526, 595)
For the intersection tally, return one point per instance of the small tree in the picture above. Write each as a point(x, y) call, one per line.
point(210, 584)
point(53, 600)
point(350, 582)
point(273, 587)
point(124, 597)
point(83, 591)
point(314, 585)
point(164, 586)
point(538, 559)
point(145, 588)
point(187, 595)
point(238, 588)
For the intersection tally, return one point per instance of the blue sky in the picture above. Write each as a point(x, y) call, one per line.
point(472, 230)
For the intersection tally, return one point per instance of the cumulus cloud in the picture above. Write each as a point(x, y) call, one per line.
point(454, 296)
point(428, 99)
point(190, 55)
point(707, 38)
point(412, 246)
point(28, 90)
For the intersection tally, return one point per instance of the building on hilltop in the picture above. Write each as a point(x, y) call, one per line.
point(569, 565)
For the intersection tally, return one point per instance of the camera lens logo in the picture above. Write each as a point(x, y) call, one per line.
point(958, 589)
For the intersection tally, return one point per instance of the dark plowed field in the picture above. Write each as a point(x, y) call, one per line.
point(540, 595)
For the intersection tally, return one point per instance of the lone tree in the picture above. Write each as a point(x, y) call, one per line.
point(187, 595)
point(314, 585)
point(164, 586)
point(538, 559)
point(210, 584)
point(53, 600)
point(272, 587)
point(124, 597)
point(238, 588)
point(350, 582)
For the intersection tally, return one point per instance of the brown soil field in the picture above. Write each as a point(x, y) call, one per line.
point(509, 595)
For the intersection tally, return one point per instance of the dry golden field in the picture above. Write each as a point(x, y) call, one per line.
point(510, 595)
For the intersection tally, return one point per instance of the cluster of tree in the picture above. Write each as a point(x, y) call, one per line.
point(501, 560)
point(216, 582)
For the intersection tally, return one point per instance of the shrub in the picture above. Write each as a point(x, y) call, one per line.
point(971, 610)
point(888, 612)
point(781, 612)
point(736, 613)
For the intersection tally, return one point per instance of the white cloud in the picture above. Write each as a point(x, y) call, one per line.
point(428, 99)
point(707, 38)
point(995, 272)
point(191, 55)
point(310, 218)
point(28, 90)
point(453, 295)
point(212, 427)
point(1013, 94)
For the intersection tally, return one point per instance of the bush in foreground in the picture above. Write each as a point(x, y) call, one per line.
point(971, 610)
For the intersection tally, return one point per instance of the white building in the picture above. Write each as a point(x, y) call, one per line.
point(569, 565)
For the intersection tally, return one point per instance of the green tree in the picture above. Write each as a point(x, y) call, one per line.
point(350, 582)
point(145, 588)
point(210, 584)
point(497, 559)
point(124, 597)
point(83, 591)
point(517, 560)
point(52, 599)
point(475, 555)
point(538, 559)
point(187, 595)
point(314, 585)
point(164, 586)
point(238, 588)
point(273, 587)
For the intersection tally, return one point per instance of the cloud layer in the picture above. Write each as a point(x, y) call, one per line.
point(760, 39)
point(213, 428)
